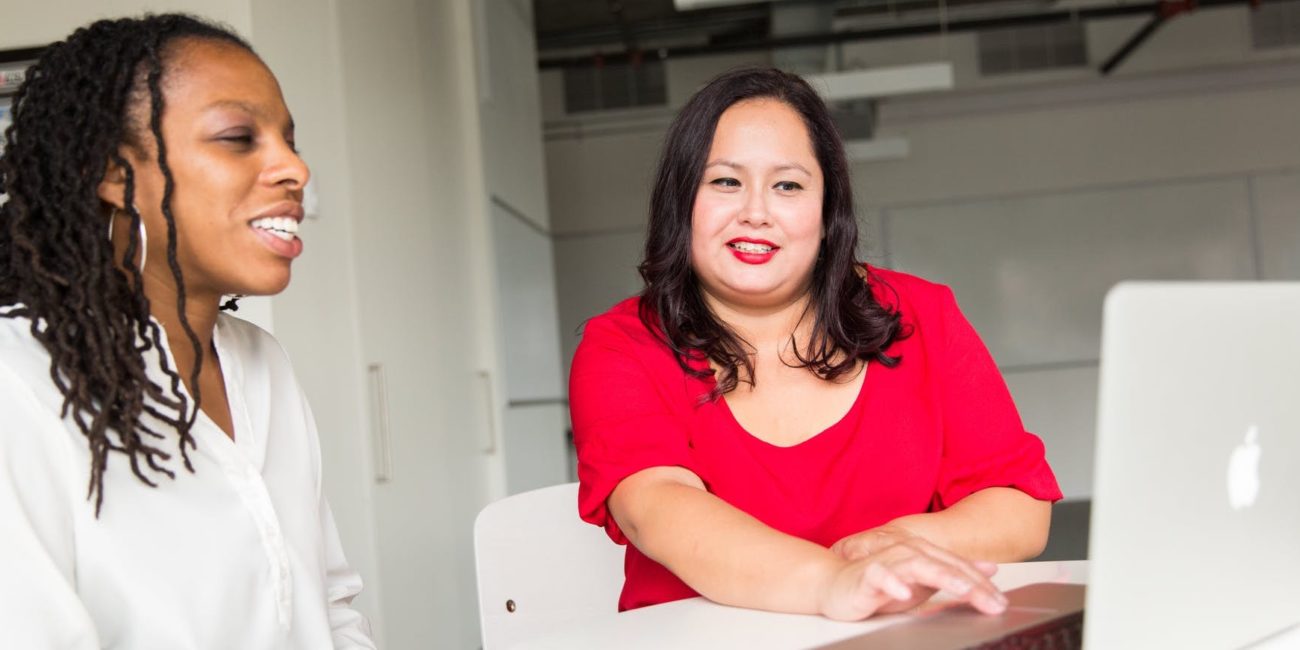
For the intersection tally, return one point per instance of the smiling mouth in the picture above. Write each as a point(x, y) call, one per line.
point(285, 228)
point(751, 247)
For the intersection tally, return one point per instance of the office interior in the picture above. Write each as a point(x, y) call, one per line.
point(481, 173)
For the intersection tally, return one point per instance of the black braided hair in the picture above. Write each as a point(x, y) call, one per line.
point(81, 101)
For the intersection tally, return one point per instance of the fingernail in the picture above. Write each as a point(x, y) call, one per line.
point(959, 587)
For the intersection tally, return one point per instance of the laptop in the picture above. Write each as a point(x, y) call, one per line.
point(1195, 530)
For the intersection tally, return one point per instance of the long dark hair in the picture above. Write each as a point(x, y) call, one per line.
point(81, 101)
point(848, 324)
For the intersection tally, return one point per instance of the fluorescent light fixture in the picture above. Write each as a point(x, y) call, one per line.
point(880, 82)
point(687, 5)
point(876, 149)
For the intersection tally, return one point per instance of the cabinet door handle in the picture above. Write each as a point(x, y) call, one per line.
point(491, 447)
point(379, 424)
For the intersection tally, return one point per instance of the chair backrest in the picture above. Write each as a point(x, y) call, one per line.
point(540, 567)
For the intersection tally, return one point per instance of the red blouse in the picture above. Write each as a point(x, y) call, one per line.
point(920, 436)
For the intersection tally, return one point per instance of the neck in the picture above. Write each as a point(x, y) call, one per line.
point(766, 326)
point(200, 310)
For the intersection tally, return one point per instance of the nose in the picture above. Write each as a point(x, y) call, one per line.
point(286, 168)
point(754, 211)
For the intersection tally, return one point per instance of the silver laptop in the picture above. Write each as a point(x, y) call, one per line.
point(1195, 532)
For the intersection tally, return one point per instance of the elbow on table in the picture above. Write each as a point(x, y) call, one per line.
point(1036, 532)
point(643, 497)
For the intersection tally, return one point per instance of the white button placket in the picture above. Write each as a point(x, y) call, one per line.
point(248, 482)
point(252, 490)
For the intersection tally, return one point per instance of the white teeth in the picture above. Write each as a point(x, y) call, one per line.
point(748, 247)
point(283, 227)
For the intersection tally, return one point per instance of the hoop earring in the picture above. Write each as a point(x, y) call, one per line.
point(144, 245)
point(144, 237)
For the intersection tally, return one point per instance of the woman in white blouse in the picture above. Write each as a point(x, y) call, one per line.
point(159, 466)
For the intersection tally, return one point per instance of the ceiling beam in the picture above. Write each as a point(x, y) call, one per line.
point(878, 33)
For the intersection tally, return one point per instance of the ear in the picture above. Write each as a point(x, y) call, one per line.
point(112, 190)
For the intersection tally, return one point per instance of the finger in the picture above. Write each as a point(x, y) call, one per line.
point(881, 578)
point(936, 573)
point(989, 569)
point(978, 577)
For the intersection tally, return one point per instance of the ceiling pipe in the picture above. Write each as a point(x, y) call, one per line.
point(901, 31)
point(1165, 10)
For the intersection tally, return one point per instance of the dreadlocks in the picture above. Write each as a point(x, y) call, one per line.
point(80, 103)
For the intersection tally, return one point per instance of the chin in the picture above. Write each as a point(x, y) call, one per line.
point(755, 294)
point(268, 285)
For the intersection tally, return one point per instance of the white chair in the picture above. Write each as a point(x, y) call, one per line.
point(540, 567)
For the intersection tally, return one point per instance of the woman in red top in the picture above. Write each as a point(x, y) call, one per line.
point(771, 424)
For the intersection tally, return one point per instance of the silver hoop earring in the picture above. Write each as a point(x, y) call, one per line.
point(144, 245)
point(144, 237)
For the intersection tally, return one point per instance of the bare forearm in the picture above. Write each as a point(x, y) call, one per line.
point(994, 524)
point(724, 554)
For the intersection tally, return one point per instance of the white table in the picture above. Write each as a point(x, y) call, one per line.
point(699, 623)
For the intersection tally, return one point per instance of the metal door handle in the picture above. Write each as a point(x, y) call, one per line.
point(383, 442)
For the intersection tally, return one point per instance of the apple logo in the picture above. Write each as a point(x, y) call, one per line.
point(1243, 471)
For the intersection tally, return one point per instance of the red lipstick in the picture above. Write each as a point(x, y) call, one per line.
point(753, 251)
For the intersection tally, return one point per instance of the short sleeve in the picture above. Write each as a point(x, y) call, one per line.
point(621, 405)
point(984, 442)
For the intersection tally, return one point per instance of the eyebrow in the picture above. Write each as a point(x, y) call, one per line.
point(243, 106)
point(779, 168)
point(235, 104)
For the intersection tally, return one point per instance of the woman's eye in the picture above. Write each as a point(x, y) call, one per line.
point(725, 182)
point(787, 186)
point(245, 139)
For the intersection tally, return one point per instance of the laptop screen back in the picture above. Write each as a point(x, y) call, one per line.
point(1195, 536)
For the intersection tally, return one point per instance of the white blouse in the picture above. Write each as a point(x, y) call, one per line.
point(243, 553)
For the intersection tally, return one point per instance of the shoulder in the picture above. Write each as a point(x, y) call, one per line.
point(899, 290)
point(15, 333)
point(23, 357)
point(29, 400)
point(916, 299)
point(620, 327)
point(249, 341)
point(618, 344)
point(927, 309)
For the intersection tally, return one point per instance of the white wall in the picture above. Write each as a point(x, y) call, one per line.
point(1030, 194)
point(419, 236)
point(28, 24)
point(510, 102)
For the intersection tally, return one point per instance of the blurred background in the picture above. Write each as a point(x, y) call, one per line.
point(481, 173)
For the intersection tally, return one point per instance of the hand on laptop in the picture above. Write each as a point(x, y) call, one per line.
point(890, 570)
